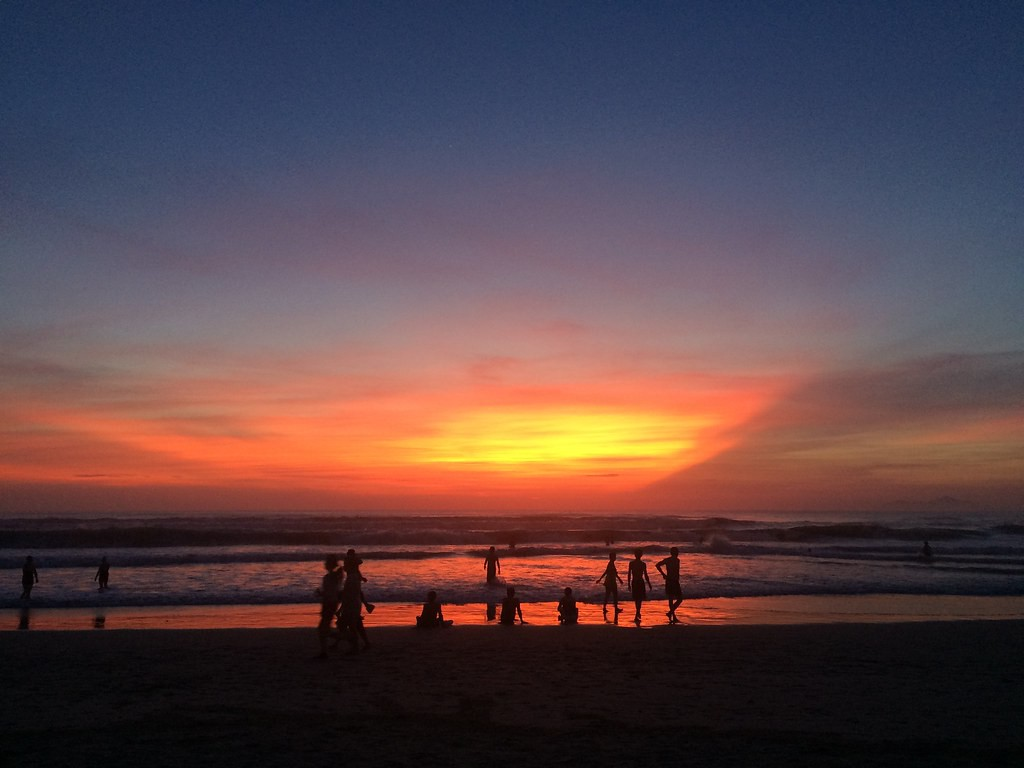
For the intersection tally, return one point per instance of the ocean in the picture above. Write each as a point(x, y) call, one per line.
point(248, 560)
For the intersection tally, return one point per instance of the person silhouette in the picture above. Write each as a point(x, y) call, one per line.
point(568, 613)
point(351, 566)
point(102, 573)
point(329, 599)
point(926, 551)
point(510, 608)
point(492, 565)
point(29, 578)
point(350, 618)
point(431, 615)
point(636, 578)
point(669, 569)
point(611, 580)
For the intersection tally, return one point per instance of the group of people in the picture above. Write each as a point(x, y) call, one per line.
point(341, 602)
point(638, 582)
point(30, 576)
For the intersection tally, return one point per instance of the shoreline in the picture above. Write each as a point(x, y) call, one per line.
point(755, 611)
point(908, 694)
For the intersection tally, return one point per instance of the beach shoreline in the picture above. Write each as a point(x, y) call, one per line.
point(792, 609)
point(926, 693)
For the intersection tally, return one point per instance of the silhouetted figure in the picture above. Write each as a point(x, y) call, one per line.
point(611, 580)
point(350, 618)
point(351, 566)
point(102, 573)
point(329, 594)
point(492, 565)
point(29, 578)
point(669, 569)
point(510, 608)
point(568, 613)
point(431, 615)
point(926, 551)
point(638, 582)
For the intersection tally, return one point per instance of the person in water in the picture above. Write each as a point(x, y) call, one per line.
point(431, 615)
point(102, 573)
point(611, 580)
point(638, 582)
point(669, 569)
point(510, 608)
point(329, 595)
point(29, 578)
point(492, 565)
point(568, 613)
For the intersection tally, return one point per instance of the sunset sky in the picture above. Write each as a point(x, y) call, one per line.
point(474, 256)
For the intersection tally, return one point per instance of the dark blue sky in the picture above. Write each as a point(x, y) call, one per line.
point(581, 198)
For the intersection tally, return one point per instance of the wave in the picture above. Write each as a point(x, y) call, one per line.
point(330, 533)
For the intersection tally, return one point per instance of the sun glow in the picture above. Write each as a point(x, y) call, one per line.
point(559, 441)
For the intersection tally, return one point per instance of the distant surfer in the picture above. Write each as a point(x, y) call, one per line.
point(492, 565)
point(926, 551)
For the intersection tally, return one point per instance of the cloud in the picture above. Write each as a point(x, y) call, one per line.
point(857, 438)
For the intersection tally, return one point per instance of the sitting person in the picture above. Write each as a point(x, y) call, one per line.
point(431, 615)
point(510, 608)
point(568, 613)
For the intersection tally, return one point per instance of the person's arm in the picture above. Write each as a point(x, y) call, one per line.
point(661, 570)
point(647, 578)
point(497, 562)
point(519, 610)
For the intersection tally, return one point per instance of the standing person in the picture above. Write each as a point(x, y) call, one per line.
point(635, 581)
point(510, 608)
point(492, 565)
point(329, 598)
point(351, 567)
point(102, 573)
point(611, 580)
point(350, 619)
point(669, 569)
point(29, 578)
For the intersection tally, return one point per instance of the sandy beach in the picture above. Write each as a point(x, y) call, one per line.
point(826, 695)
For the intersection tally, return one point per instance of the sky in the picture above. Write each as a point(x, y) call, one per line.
point(511, 256)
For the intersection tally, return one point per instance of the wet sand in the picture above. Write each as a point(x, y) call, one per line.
point(912, 694)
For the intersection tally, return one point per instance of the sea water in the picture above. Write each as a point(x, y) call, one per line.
point(244, 560)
